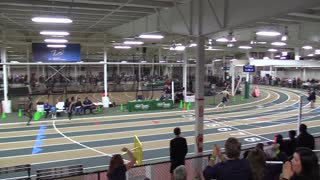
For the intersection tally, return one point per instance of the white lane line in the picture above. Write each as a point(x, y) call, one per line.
point(87, 147)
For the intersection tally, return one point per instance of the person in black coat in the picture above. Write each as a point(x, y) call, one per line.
point(305, 139)
point(289, 145)
point(178, 150)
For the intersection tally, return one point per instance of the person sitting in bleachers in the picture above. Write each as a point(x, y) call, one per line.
point(46, 107)
point(87, 104)
point(78, 107)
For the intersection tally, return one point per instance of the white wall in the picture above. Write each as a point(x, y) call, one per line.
point(297, 73)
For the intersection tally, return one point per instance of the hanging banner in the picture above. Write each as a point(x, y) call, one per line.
point(42, 53)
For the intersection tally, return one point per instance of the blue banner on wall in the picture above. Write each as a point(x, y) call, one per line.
point(249, 68)
point(42, 53)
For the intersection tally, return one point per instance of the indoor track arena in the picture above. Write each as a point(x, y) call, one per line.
point(87, 82)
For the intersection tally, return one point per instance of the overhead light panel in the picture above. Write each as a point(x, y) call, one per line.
point(51, 20)
point(272, 50)
point(310, 55)
point(307, 47)
point(222, 39)
point(56, 46)
point(317, 52)
point(262, 42)
point(193, 45)
point(122, 47)
point(245, 47)
point(268, 33)
point(151, 36)
point(54, 33)
point(278, 44)
point(133, 42)
point(56, 40)
point(284, 53)
point(178, 48)
point(284, 38)
point(230, 45)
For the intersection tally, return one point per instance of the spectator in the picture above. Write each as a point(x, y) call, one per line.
point(117, 169)
point(70, 106)
point(29, 111)
point(87, 104)
point(305, 139)
point(180, 173)
point(257, 161)
point(78, 106)
point(232, 167)
point(46, 107)
point(290, 144)
point(303, 166)
point(274, 153)
point(279, 140)
point(178, 150)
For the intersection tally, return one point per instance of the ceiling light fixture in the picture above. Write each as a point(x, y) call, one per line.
point(151, 36)
point(222, 39)
point(230, 45)
point(284, 38)
point(245, 47)
point(56, 46)
point(51, 20)
point(178, 48)
point(56, 40)
point(278, 44)
point(54, 33)
point(317, 52)
point(122, 47)
point(268, 33)
point(193, 45)
point(307, 47)
point(284, 53)
point(272, 50)
point(310, 55)
point(133, 42)
point(262, 42)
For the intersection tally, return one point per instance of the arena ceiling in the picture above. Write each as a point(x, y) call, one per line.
point(96, 22)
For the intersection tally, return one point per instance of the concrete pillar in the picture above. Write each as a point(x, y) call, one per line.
point(296, 54)
point(233, 74)
point(5, 103)
point(199, 97)
point(105, 71)
point(28, 66)
point(185, 74)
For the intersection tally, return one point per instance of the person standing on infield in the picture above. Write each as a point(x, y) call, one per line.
point(29, 111)
point(178, 150)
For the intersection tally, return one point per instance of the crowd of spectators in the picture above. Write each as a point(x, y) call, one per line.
point(284, 159)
